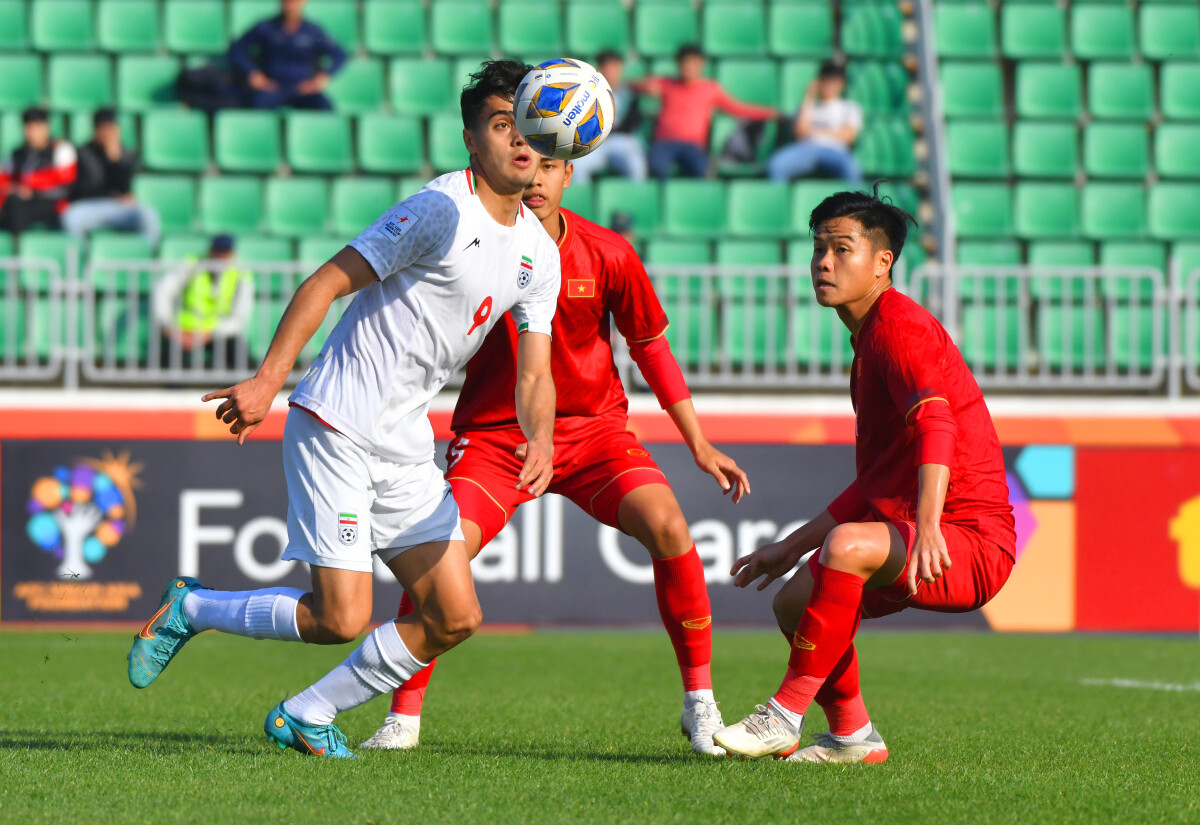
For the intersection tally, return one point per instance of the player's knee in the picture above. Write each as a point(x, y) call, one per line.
point(849, 547)
point(455, 624)
point(341, 628)
point(668, 533)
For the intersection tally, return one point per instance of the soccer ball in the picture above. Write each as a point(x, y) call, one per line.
point(564, 109)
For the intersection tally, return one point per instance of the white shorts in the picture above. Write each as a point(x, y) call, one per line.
point(344, 503)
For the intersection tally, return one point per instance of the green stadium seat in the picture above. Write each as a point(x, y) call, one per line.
point(1032, 31)
point(175, 140)
point(595, 25)
point(409, 186)
point(247, 141)
point(530, 27)
point(972, 90)
point(1102, 32)
point(174, 196)
point(7, 247)
point(390, 144)
point(1134, 253)
point(754, 328)
point(447, 152)
point(754, 81)
point(231, 204)
point(818, 337)
point(1180, 90)
point(358, 202)
point(317, 251)
point(870, 30)
point(759, 209)
point(395, 26)
point(902, 194)
point(1046, 210)
point(885, 147)
point(1071, 338)
point(795, 77)
point(62, 25)
point(244, 14)
point(660, 28)
point(127, 25)
point(264, 249)
point(982, 210)
point(108, 246)
point(319, 142)
point(1186, 256)
point(195, 26)
point(742, 252)
point(55, 246)
point(358, 87)
point(1170, 32)
point(461, 27)
point(79, 81)
point(670, 252)
point(1131, 327)
point(297, 206)
point(1121, 91)
point(1061, 253)
point(183, 247)
point(967, 31)
point(339, 19)
point(734, 27)
point(993, 337)
point(1049, 90)
point(580, 198)
point(806, 196)
point(1044, 149)
point(880, 87)
point(1175, 154)
point(22, 86)
point(1113, 210)
point(14, 26)
point(978, 149)
point(695, 208)
point(422, 87)
point(1175, 211)
point(641, 200)
point(1116, 150)
point(989, 253)
point(800, 28)
point(146, 82)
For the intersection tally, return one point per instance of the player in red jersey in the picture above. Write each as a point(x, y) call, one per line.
point(926, 523)
point(598, 464)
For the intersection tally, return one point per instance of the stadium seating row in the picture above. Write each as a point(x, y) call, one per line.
point(459, 27)
point(1078, 252)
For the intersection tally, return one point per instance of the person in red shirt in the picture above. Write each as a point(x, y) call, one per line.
point(598, 463)
point(36, 179)
point(926, 523)
point(687, 105)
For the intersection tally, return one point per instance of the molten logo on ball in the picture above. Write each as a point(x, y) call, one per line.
point(564, 109)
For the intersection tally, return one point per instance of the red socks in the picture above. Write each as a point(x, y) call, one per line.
point(683, 605)
point(825, 632)
point(408, 698)
point(841, 698)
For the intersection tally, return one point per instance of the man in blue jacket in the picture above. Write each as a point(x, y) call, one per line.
point(287, 60)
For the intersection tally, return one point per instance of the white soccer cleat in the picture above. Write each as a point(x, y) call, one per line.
point(762, 733)
point(829, 748)
point(700, 720)
point(397, 733)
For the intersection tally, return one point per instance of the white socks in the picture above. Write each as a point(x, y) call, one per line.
point(859, 735)
point(259, 614)
point(691, 697)
point(379, 665)
point(794, 720)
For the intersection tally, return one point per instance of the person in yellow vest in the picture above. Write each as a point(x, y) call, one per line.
point(203, 313)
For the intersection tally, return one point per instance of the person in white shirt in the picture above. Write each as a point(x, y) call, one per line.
point(433, 275)
point(825, 128)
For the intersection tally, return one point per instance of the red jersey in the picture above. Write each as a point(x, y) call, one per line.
point(915, 402)
point(601, 275)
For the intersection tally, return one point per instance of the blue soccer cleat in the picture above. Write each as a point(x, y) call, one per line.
point(161, 638)
point(286, 731)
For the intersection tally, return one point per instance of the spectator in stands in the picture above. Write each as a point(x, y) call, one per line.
point(622, 224)
point(282, 59)
point(825, 128)
point(623, 150)
point(36, 179)
point(102, 197)
point(688, 102)
point(202, 314)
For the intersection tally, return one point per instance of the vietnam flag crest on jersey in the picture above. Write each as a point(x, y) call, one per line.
point(581, 287)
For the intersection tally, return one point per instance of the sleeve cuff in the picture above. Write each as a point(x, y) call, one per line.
point(936, 447)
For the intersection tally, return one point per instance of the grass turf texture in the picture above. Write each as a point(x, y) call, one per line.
point(583, 727)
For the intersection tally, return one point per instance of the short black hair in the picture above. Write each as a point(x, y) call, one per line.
point(885, 223)
point(607, 55)
point(688, 50)
point(103, 115)
point(35, 114)
point(495, 77)
point(831, 68)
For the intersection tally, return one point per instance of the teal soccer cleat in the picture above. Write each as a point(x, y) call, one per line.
point(161, 638)
point(286, 731)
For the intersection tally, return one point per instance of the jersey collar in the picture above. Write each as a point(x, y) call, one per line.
point(566, 229)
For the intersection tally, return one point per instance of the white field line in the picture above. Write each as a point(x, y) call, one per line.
point(1138, 684)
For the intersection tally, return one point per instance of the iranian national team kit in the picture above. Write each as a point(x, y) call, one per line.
point(358, 445)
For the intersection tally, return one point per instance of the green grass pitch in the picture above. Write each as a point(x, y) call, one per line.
point(583, 727)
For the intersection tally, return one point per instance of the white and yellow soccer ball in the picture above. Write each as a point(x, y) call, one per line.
point(564, 108)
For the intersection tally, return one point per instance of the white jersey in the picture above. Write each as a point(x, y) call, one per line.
point(447, 274)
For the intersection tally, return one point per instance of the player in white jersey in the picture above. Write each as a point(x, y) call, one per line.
point(433, 275)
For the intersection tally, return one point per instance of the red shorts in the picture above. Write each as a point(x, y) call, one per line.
point(978, 569)
point(595, 472)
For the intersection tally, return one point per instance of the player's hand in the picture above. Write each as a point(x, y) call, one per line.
point(724, 469)
point(539, 466)
point(770, 561)
point(929, 559)
point(245, 405)
point(313, 85)
point(261, 82)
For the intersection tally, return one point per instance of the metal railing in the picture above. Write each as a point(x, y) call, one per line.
point(32, 308)
point(1188, 342)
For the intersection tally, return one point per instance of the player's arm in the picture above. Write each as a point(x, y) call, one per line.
point(774, 560)
point(929, 558)
point(246, 404)
point(535, 412)
point(708, 458)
